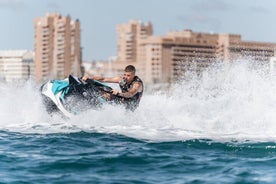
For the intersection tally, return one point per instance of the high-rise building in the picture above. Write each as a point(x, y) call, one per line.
point(129, 37)
point(57, 47)
point(16, 65)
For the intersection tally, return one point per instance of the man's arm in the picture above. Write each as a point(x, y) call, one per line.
point(108, 79)
point(104, 79)
point(137, 87)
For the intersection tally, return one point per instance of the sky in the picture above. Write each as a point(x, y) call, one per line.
point(254, 20)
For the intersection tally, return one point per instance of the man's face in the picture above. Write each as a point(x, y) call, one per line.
point(129, 76)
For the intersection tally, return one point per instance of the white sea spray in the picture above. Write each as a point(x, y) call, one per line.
point(227, 101)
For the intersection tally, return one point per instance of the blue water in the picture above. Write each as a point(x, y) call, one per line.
point(217, 128)
point(110, 158)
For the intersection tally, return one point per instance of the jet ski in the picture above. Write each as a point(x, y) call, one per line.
point(73, 95)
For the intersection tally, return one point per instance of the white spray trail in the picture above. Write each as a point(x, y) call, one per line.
point(229, 101)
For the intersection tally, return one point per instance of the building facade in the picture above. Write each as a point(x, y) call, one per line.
point(165, 59)
point(129, 38)
point(168, 57)
point(16, 65)
point(57, 47)
point(231, 47)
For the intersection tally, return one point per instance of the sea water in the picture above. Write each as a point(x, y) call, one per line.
point(217, 127)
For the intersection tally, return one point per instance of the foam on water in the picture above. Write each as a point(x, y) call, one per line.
point(229, 101)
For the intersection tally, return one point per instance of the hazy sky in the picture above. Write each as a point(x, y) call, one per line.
point(255, 20)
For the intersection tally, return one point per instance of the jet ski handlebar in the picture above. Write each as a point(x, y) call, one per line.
point(100, 85)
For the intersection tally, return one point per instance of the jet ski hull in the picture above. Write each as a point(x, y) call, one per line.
point(72, 95)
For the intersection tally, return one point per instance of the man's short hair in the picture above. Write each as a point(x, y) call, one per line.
point(130, 68)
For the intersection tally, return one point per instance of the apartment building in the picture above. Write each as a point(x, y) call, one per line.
point(231, 47)
point(129, 37)
point(16, 65)
point(167, 58)
point(57, 47)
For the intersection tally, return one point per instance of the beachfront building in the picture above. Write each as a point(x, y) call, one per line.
point(165, 59)
point(57, 47)
point(16, 65)
point(231, 47)
point(129, 38)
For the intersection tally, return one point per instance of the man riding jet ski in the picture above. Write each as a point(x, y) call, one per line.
point(131, 87)
point(73, 95)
